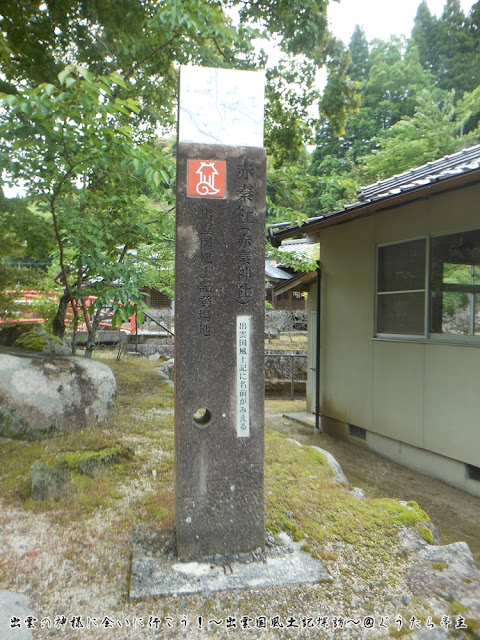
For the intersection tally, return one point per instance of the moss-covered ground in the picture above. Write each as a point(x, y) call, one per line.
point(106, 460)
point(106, 464)
point(76, 551)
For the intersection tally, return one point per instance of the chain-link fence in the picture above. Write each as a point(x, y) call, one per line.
point(286, 374)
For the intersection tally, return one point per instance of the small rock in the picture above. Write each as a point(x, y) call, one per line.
point(337, 469)
point(358, 493)
point(49, 483)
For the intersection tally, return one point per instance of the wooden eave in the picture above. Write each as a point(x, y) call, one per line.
point(377, 205)
point(299, 282)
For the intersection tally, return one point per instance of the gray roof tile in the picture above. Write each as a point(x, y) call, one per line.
point(446, 167)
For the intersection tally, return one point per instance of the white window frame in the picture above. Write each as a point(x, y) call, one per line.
point(404, 336)
point(428, 336)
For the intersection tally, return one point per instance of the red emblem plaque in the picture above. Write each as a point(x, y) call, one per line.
point(206, 178)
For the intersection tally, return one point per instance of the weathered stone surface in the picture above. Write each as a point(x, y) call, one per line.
point(42, 395)
point(449, 572)
point(167, 370)
point(281, 366)
point(15, 605)
point(283, 563)
point(219, 279)
point(49, 483)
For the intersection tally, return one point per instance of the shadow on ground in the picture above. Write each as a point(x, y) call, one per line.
point(456, 514)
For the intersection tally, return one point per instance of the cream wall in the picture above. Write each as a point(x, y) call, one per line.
point(423, 394)
point(312, 346)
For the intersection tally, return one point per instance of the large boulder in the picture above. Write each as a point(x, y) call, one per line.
point(33, 338)
point(42, 395)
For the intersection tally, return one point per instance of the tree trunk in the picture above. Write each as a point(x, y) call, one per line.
point(75, 328)
point(92, 323)
point(58, 322)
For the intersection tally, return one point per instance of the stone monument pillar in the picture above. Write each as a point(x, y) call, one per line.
point(219, 313)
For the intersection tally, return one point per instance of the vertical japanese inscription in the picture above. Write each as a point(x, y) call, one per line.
point(245, 199)
point(243, 376)
point(205, 280)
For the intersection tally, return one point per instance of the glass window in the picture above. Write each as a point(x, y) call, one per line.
point(401, 288)
point(402, 266)
point(455, 284)
point(402, 313)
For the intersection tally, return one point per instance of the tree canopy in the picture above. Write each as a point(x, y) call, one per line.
point(89, 95)
point(419, 100)
point(88, 88)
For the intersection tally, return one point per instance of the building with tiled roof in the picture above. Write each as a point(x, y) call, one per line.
point(394, 318)
point(446, 174)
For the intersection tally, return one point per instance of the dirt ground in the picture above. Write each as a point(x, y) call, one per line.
point(455, 514)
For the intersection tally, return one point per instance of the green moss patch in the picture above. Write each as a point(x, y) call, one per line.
point(32, 337)
point(16, 460)
point(425, 533)
point(403, 514)
point(31, 341)
point(90, 462)
point(302, 498)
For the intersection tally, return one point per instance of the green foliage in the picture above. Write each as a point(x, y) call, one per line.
point(337, 181)
point(420, 101)
point(394, 82)
point(414, 140)
point(290, 92)
point(27, 241)
point(390, 80)
point(340, 96)
point(14, 279)
point(456, 55)
point(287, 189)
point(146, 41)
point(461, 274)
point(468, 115)
point(85, 87)
point(359, 66)
point(290, 259)
point(72, 147)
